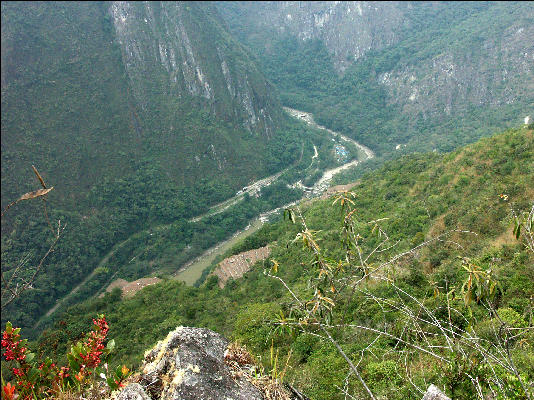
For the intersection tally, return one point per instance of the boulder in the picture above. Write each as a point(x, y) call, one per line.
point(133, 391)
point(190, 364)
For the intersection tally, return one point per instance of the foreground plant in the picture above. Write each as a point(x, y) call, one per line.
point(38, 379)
point(436, 330)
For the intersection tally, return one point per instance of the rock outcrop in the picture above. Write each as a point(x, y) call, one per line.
point(348, 29)
point(190, 364)
point(133, 391)
point(197, 363)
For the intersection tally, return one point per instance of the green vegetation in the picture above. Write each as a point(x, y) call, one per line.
point(121, 167)
point(357, 103)
point(148, 221)
point(415, 199)
point(147, 135)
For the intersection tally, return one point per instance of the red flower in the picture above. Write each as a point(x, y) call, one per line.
point(64, 372)
point(89, 358)
point(8, 391)
point(79, 376)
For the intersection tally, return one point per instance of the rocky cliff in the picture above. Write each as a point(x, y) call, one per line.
point(349, 29)
point(186, 50)
point(196, 363)
point(407, 67)
point(90, 88)
point(486, 67)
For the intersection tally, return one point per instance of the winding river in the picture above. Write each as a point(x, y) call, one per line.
point(191, 271)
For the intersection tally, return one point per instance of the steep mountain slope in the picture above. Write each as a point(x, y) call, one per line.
point(416, 198)
point(349, 29)
point(136, 113)
point(112, 88)
point(200, 59)
point(412, 75)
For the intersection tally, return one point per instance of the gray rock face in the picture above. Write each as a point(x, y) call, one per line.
point(185, 49)
point(349, 29)
point(134, 391)
point(501, 73)
point(433, 393)
point(488, 65)
point(189, 364)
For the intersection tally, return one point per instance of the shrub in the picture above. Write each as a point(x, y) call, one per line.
point(39, 379)
point(304, 346)
point(252, 325)
point(382, 374)
point(489, 328)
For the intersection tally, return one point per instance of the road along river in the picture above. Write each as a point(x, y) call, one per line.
point(191, 271)
point(322, 184)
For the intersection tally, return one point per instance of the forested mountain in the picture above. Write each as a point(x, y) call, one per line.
point(454, 210)
point(167, 137)
point(116, 83)
point(136, 113)
point(399, 76)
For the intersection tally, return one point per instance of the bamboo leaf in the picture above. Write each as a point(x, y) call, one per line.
point(39, 177)
point(275, 266)
point(33, 195)
point(517, 231)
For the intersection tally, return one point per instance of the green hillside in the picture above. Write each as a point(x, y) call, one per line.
point(453, 210)
point(75, 107)
point(128, 139)
point(420, 75)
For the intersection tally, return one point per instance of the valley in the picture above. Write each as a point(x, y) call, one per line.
point(339, 194)
point(191, 271)
point(365, 153)
point(416, 200)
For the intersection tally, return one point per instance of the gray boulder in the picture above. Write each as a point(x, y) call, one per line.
point(133, 391)
point(189, 364)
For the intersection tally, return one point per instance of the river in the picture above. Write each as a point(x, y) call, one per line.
point(190, 272)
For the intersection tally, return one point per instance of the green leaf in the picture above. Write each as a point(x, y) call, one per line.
point(30, 357)
point(74, 365)
point(111, 345)
point(517, 231)
point(33, 374)
point(290, 214)
point(111, 383)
